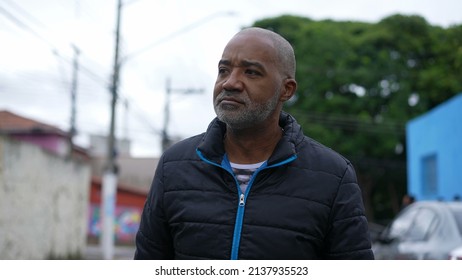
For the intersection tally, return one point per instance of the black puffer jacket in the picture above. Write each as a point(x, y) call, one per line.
point(304, 203)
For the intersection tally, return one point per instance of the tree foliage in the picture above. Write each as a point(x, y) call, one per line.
point(358, 85)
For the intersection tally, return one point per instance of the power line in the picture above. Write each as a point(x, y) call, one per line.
point(352, 123)
point(53, 48)
point(24, 26)
point(24, 13)
point(24, 20)
point(178, 32)
point(142, 117)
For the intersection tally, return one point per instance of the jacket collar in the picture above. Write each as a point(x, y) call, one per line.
point(213, 149)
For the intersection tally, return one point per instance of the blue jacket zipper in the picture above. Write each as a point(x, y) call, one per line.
point(242, 197)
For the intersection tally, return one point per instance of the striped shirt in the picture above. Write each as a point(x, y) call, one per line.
point(244, 172)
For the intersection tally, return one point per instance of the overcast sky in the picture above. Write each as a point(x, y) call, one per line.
point(178, 40)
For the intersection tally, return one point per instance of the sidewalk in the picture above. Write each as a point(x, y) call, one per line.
point(94, 252)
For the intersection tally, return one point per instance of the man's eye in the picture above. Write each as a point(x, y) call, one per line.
point(252, 72)
point(222, 70)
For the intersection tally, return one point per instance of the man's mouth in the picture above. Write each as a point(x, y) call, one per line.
point(229, 101)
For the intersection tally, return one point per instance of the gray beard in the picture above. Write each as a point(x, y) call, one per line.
point(250, 115)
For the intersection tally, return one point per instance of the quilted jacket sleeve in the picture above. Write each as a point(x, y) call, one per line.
point(348, 237)
point(153, 240)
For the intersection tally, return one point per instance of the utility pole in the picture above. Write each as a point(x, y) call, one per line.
point(166, 141)
point(109, 184)
point(126, 113)
point(73, 130)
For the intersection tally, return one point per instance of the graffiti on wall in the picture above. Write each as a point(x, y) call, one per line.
point(127, 222)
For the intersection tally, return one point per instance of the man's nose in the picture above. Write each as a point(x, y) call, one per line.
point(233, 82)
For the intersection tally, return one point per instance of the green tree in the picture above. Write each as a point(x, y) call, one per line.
point(358, 85)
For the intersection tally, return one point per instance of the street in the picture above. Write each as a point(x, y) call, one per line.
point(94, 252)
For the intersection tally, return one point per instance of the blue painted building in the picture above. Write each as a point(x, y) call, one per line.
point(434, 152)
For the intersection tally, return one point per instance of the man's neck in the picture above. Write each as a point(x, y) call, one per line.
point(251, 145)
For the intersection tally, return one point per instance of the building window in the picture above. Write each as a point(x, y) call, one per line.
point(430, 175)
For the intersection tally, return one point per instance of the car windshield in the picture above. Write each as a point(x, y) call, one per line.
point(456, 210)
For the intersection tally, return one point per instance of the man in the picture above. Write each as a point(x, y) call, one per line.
point(253, 186)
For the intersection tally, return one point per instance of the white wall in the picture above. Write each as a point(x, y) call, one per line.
point(43, 203)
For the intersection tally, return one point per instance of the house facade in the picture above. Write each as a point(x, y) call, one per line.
point(44, 188)
point(37, 133)
point(434, 152)
point(135, 175)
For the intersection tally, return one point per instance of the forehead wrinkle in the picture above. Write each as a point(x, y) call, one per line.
point(243, 63)
point(248, 63)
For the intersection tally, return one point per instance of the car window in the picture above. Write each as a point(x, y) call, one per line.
point(423, 225)
point(402, 223)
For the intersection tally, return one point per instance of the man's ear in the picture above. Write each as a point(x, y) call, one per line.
point(290, 86)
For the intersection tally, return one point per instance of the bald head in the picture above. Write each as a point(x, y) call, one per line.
point(284, 51)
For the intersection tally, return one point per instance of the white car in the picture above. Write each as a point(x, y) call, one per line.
point(456, 254)
point(422, 230)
